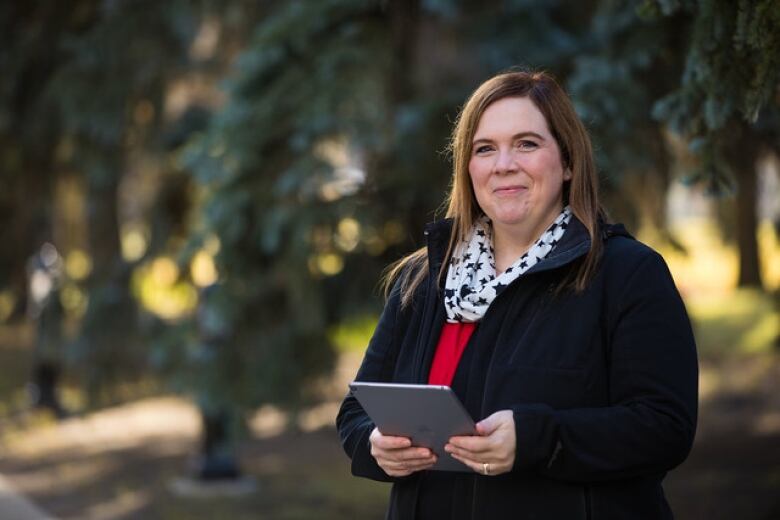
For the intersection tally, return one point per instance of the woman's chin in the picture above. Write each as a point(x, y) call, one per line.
point(510, 219)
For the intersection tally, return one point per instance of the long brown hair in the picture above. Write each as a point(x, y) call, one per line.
point(580, 193)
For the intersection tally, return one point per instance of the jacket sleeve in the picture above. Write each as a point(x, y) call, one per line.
point(649, 425)
point(353, 423)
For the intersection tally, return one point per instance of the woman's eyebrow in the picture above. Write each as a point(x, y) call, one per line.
point(516, 136)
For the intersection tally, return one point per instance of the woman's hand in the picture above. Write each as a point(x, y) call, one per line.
point(492, 452)
point(397, 457)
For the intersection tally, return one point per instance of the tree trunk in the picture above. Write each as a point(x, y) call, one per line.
point(404, 19)
point(107, 349)
point(218, 459)
point(747, 224)
point(742, 160)
point(221, 417)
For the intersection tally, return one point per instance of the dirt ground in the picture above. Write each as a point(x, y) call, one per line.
point(127, 462)
point(733, 471)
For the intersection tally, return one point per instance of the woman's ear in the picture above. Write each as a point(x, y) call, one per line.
point(567, 174)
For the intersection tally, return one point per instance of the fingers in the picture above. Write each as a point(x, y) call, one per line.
point(502, 418)
point(400, 447)
point(397, 457)
point(468, 449)
point(495, 445)
point(495, 467)
point(499, 459)
point(495, 430)
point(402, 455)
point(487, 426)
point(388, 442)
point(477, 467)
point(471, 444)
point(405, 467)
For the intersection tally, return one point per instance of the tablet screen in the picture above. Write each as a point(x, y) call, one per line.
point(428, 414)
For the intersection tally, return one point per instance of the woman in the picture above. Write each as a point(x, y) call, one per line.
point(562, 335)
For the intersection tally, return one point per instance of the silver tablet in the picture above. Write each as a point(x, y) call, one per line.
point(428, 414)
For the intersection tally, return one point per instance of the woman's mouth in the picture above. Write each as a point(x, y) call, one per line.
point(509, 190)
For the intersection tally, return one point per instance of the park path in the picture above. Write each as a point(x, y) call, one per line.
point(14, 506)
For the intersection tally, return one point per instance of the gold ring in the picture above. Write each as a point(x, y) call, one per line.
point(486, 468)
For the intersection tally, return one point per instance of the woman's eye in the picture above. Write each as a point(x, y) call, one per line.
point(482, 149)
point(526, 145)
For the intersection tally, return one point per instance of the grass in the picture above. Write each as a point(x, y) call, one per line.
point(709, 265)
point(744, 322)
point(354, 334)
point(727, 321)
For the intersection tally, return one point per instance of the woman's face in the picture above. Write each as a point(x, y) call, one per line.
point(516, 168)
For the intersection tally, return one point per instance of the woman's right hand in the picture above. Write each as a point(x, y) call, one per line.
point(396, 455)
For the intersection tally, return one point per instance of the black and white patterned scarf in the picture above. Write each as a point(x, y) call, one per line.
point(472, 283)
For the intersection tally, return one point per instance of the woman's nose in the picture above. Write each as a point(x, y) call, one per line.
point(505, 162)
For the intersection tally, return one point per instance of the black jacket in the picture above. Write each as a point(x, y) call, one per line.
point(602, 383)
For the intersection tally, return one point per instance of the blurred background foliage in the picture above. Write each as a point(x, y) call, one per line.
point(224, 181)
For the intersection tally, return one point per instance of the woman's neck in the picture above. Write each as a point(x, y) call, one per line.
point(510, 243)
point(506, 250)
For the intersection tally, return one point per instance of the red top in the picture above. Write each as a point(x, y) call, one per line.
point(449, 350)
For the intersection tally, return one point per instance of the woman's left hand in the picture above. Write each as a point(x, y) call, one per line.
point(492, 452)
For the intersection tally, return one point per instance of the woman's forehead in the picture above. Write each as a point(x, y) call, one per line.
point(510, 116)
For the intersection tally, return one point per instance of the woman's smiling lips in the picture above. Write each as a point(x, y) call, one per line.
point(509, 190)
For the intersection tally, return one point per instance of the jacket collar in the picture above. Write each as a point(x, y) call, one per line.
point(437, 235)
point(574, 244)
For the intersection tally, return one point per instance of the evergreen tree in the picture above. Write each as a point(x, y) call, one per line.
point(108, 91)
point(28, 134)
point(625, 65)
point(324, 164)
point(726, 105)
point(81, 91)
